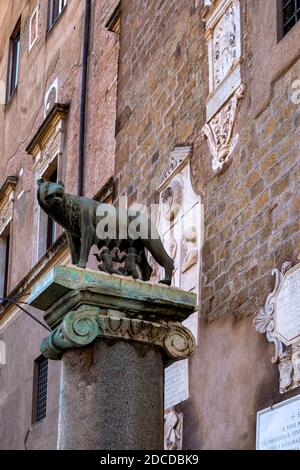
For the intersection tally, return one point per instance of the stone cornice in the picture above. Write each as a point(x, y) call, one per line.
point(46, 129)
point(8, 186)
point(84, 286)
point(7, 195)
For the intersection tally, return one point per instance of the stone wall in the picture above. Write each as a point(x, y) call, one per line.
point(251, 209)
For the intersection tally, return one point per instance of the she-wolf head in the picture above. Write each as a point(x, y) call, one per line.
point(50, 194)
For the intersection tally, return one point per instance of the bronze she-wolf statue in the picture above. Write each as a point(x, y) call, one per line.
point(79, 216)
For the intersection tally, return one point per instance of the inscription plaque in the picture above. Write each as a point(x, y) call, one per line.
point(176, 383)
point(279, 320)
point(278, 427)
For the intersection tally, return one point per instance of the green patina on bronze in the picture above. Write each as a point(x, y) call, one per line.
point(82, 305)
point(108, 291)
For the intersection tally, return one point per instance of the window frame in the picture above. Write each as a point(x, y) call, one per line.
point(51, 20)
point(282, 4)
point(47, 228)
point(114, 23)
point(37, 389)
point(7, 261)
point(36, 14)
point(14, 61)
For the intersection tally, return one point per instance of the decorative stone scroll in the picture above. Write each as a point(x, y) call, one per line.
point(81, 305)
point(223, 35)
point(81, 327)
point(279, 320)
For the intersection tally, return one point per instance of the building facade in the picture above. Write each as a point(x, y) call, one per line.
point(191, 104)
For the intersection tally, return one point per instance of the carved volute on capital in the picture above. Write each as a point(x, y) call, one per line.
point(82, 306)
point(81, 328)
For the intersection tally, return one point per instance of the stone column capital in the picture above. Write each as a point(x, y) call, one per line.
point(82, 305)
point(81, 327)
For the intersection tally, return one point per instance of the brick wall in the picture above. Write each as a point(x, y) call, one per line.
point(251, 209)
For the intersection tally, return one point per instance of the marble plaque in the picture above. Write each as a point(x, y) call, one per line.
point(176, 383)
point(278, 428)
point(287, 308)
point(192, 324)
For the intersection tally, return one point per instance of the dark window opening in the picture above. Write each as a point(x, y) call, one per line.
point(55, 8)
point(51, 232)
point(40, 389)
point(290, 14)
point(114, 23)
point(14, 60)
point(6, 267)
point(4, 262)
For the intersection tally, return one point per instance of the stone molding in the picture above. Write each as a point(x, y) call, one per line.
point(49, 140)
point(179, 158)
point(81, 327)
point(7, 198)
point(288, 357)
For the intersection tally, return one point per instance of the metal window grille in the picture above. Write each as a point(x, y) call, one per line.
point(291, 14)
point(41, 396)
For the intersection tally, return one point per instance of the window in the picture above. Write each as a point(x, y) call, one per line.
point(40, 388)
point(4, 262)
point(51, 232)
point(14, 59)
point(290, 14)
point(114, 23)
point(55, 7)
point(47, 231)
point(33, 27)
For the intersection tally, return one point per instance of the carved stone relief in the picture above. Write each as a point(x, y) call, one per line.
point(279, 320)
point(223, 35)
point(180, 219)
point(180, 227)
point(173, 430)
point(219, 132)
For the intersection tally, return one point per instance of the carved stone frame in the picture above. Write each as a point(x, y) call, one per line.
point(286, 356)
point(47, 145)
